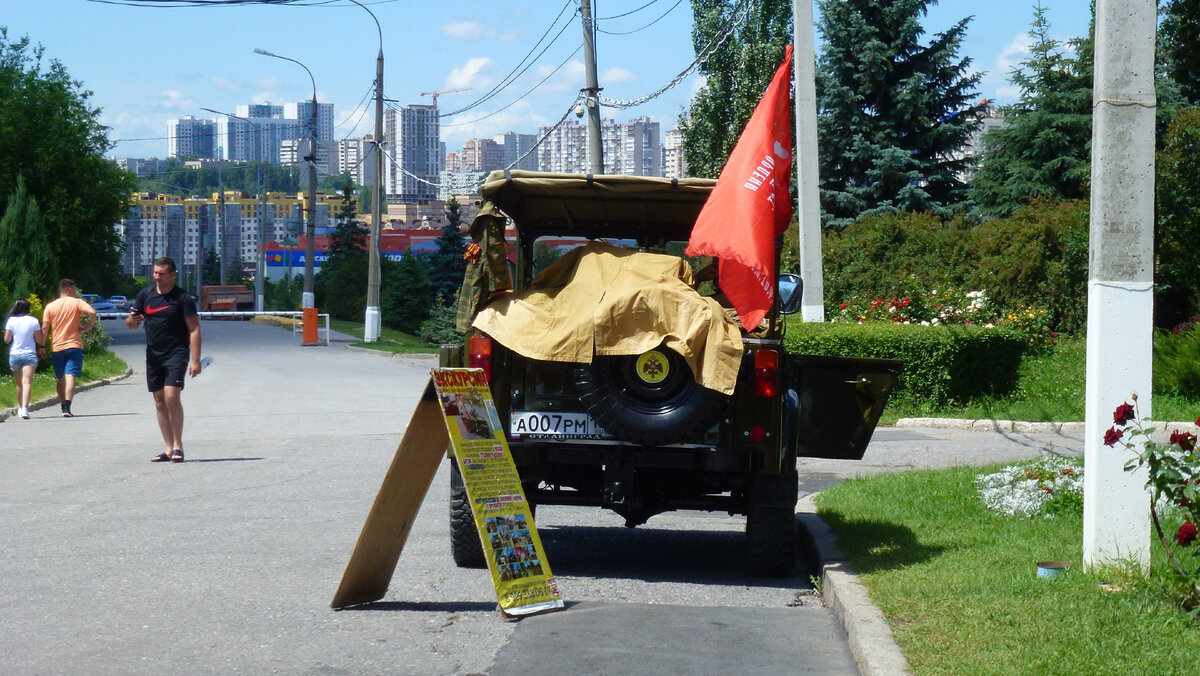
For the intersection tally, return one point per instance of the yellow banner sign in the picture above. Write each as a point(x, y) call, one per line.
point(520, 572)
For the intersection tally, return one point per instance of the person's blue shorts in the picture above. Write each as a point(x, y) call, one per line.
point(67, 362)
point(22, 359)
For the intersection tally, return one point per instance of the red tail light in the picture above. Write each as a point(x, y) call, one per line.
point(766, 373)
point(479, 351)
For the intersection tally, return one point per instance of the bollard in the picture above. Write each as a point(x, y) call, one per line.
point(308, 334)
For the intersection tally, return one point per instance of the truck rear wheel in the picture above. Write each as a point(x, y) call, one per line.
point(771, 535)
point(651, 398)
point(464, 536)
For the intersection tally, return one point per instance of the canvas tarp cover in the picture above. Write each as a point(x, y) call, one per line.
point(604, 300)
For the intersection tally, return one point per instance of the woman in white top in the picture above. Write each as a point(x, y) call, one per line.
point(24, 333)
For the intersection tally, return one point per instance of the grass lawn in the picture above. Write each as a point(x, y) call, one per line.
point(390, 340)
point(1050, 388)
point(957, 584)
point(95, 367)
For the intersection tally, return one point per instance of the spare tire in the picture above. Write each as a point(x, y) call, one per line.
point(651, 398)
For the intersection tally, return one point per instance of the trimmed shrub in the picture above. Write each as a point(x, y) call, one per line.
point(942, 364)
point(1177, 363)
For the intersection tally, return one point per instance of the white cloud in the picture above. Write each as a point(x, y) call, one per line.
point(174, 99)
point(461, 128)
point(467, 75)
point(616, 74)
point(463, 29)
point(994, 84)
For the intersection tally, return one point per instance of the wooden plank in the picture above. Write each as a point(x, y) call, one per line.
point(377, 551)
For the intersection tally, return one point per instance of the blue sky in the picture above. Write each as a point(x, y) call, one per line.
point(146, 65)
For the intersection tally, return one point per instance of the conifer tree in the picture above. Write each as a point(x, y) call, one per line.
point(405, 299)
point(26, 261)
point(1179, 45)
point(446, 265)
point(893, 112)
point(1044, 147)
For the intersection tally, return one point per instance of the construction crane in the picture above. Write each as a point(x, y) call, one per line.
point(435, 93)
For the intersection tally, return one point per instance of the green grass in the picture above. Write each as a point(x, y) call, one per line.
point(95, 367)
point(958, 585)
point(390, 340)
point(1050, 388)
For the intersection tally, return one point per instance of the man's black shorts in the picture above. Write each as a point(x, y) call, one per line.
point(167, 370)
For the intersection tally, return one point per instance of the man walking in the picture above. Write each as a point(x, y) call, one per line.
point(172, 349)
point(64, 321)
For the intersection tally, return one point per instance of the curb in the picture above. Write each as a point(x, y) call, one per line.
point(6, 413)
point(416, 358)
point(871, 641)
point(1161, 433)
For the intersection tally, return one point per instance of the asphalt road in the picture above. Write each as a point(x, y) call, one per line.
point(227, 563)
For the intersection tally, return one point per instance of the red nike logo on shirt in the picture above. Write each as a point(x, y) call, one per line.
point(153, 310)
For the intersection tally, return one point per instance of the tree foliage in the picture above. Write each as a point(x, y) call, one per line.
point(176, 177)
point(1180, 45)
point(892, 112)
point(1177, 237)
point(52, 136)
point(1044, 148)
point(736, 73)
point(26, 261)
point(341, 286)
point(446, 265)
point(406, 296)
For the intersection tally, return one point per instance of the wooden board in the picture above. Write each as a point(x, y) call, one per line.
point(377, 551)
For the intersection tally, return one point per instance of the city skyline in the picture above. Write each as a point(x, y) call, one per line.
point(428, 47)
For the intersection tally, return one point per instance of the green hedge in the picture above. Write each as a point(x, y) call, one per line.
point(942, 364)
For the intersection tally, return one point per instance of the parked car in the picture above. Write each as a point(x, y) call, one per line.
point(121, 303)
point(98, 302)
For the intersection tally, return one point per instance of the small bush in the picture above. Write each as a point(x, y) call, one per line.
point(942, 364)
point(97, 340)
point(440, 329)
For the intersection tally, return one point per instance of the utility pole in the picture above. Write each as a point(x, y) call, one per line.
point(260, 268)
point(808, 194)
point(221, 226)
point(309, 299)
point(372, 318)
point(1116, 514)
point(592, 91)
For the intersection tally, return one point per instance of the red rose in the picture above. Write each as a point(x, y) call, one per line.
point(1123, 414)
point(1186, 534)
point(1197, 422)
point(1185, 440)
point(1112, 436)
point(842, 306)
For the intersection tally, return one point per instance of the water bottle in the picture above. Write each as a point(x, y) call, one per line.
point(205, 362)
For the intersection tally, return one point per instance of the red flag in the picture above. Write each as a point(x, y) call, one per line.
point(749, 207)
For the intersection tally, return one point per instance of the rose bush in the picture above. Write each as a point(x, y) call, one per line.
point(1173, 481)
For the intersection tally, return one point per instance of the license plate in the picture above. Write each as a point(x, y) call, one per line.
point(541, 425)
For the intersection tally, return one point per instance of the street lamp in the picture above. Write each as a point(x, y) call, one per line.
point(371, 320)
point(259, 262)
point(309, 300)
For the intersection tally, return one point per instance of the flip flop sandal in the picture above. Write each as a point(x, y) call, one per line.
point(161, 457)
point(177, 455)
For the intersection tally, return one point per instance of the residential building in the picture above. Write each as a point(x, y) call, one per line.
point(517, 150)
point(412, 153)
point(191, 137)
point(674, 166)
point(460, 183)
point(302, 112)
point(630, 148)
point(480, 154)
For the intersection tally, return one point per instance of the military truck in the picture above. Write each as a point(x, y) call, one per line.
point(638, 433)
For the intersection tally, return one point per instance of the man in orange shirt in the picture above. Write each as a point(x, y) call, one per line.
point(64, 321)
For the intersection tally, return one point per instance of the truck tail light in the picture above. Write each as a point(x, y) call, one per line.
point(766, 373)
point(479, 351)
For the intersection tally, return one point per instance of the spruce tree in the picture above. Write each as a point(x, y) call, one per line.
point(751, 39)
point(1179, 45)
point(446, 265)
point(405, 298)
point(1044, 147)
point(894, 114)
point(26, 261)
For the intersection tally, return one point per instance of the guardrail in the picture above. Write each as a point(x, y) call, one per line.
point(297, 328)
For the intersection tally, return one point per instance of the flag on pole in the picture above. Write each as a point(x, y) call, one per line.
point(750, 207)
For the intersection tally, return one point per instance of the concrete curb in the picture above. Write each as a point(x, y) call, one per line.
point(52, 400)
point(1161, 434)
point(871, 641)
point(418, 359)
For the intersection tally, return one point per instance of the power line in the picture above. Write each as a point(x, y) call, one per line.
point(521, 97)
point(638, 30)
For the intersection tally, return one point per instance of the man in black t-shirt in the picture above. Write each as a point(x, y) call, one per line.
point(172, 349)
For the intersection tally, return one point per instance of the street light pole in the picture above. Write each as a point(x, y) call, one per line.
point(309, 300)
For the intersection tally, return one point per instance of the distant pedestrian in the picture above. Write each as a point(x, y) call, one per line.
point(23, 332)
point(172, 349)
point(65, 320)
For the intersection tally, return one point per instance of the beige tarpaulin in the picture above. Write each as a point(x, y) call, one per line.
point(604, 300)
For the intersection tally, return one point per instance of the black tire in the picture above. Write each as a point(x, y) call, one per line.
point(651, 398)
point(464, 536)
point(771, 535)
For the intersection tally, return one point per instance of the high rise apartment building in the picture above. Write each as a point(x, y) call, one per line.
point(516, 149)
point(190, 136)
point(631, 148)
point(480, 154)
point(674, 166)
point(302, 112)
point(412, 153)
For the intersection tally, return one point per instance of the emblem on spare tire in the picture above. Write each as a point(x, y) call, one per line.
point(653, 367)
